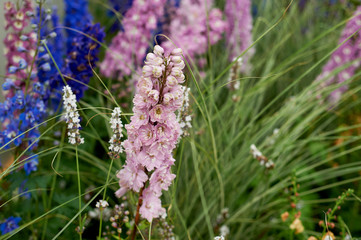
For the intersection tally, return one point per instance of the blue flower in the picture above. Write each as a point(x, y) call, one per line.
point(121, 6)
point(9, 83)
point(84, 51)
point(31, 165)
point(77, 16)
point(10, 224)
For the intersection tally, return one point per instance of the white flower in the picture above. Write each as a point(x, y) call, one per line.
point(219, 238)
point(254, 150)
point(183, 117)
point(102, 204)
point(72, 116)
point(116, 125)
point(224, 230)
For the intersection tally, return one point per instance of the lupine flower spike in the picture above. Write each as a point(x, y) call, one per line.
point(72, 116)
point(154, 131)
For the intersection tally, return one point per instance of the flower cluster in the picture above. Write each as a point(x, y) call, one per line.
point(234, 78)
point(72, 116)
point(153, 131)
point(219, 238)
point(47, 22)
point(127, 50)
point(120, 216)
point(183, 117)
point(19, 45)
point(263, 161)
point(81, 58)
point(239, 30)
point(295, 215)
point(9, 225)
point(165, 230)
point(102, 204)
point(188, 28)
point(219, 225)
point(116, 125)
point(77, 16)
point(347, 53)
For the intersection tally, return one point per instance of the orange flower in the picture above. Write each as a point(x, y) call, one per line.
point(297, 226)
point(284, 216)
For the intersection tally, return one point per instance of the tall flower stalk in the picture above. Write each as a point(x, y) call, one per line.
point(73, 121)
point(128, 49)
point(153, 133)
point(347, 53)
point(239, 30)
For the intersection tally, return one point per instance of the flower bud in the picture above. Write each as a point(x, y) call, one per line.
point(177, 52)
point(158, 50)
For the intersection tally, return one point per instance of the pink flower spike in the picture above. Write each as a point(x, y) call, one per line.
point(153, 132)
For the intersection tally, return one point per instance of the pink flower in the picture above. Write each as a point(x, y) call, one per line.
point(239, 30)
point(128, 49)
point(152, 206)
point(348, 52)
point(132, 177)
point(188, 28)
point(147, 134)
point(153, 132)
point(160, 180)
point(158, 113)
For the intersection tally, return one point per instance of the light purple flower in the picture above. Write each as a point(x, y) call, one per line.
point(152, 134)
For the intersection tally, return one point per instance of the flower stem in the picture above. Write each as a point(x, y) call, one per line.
point(79, 190)
point(137, 216)
point(105, 191)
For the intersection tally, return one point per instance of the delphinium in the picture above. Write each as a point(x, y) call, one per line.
point(347, 54)
point(188, 28)
point(153, 133)
point(82, 56)
point(47, 23)
point(239, 31)
point(128, 48)
point(19, 46)
point(77, 17)
point(23, 109)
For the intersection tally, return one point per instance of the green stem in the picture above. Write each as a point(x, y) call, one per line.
point(79, 191)
point(54, 181)
point(105, 191)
